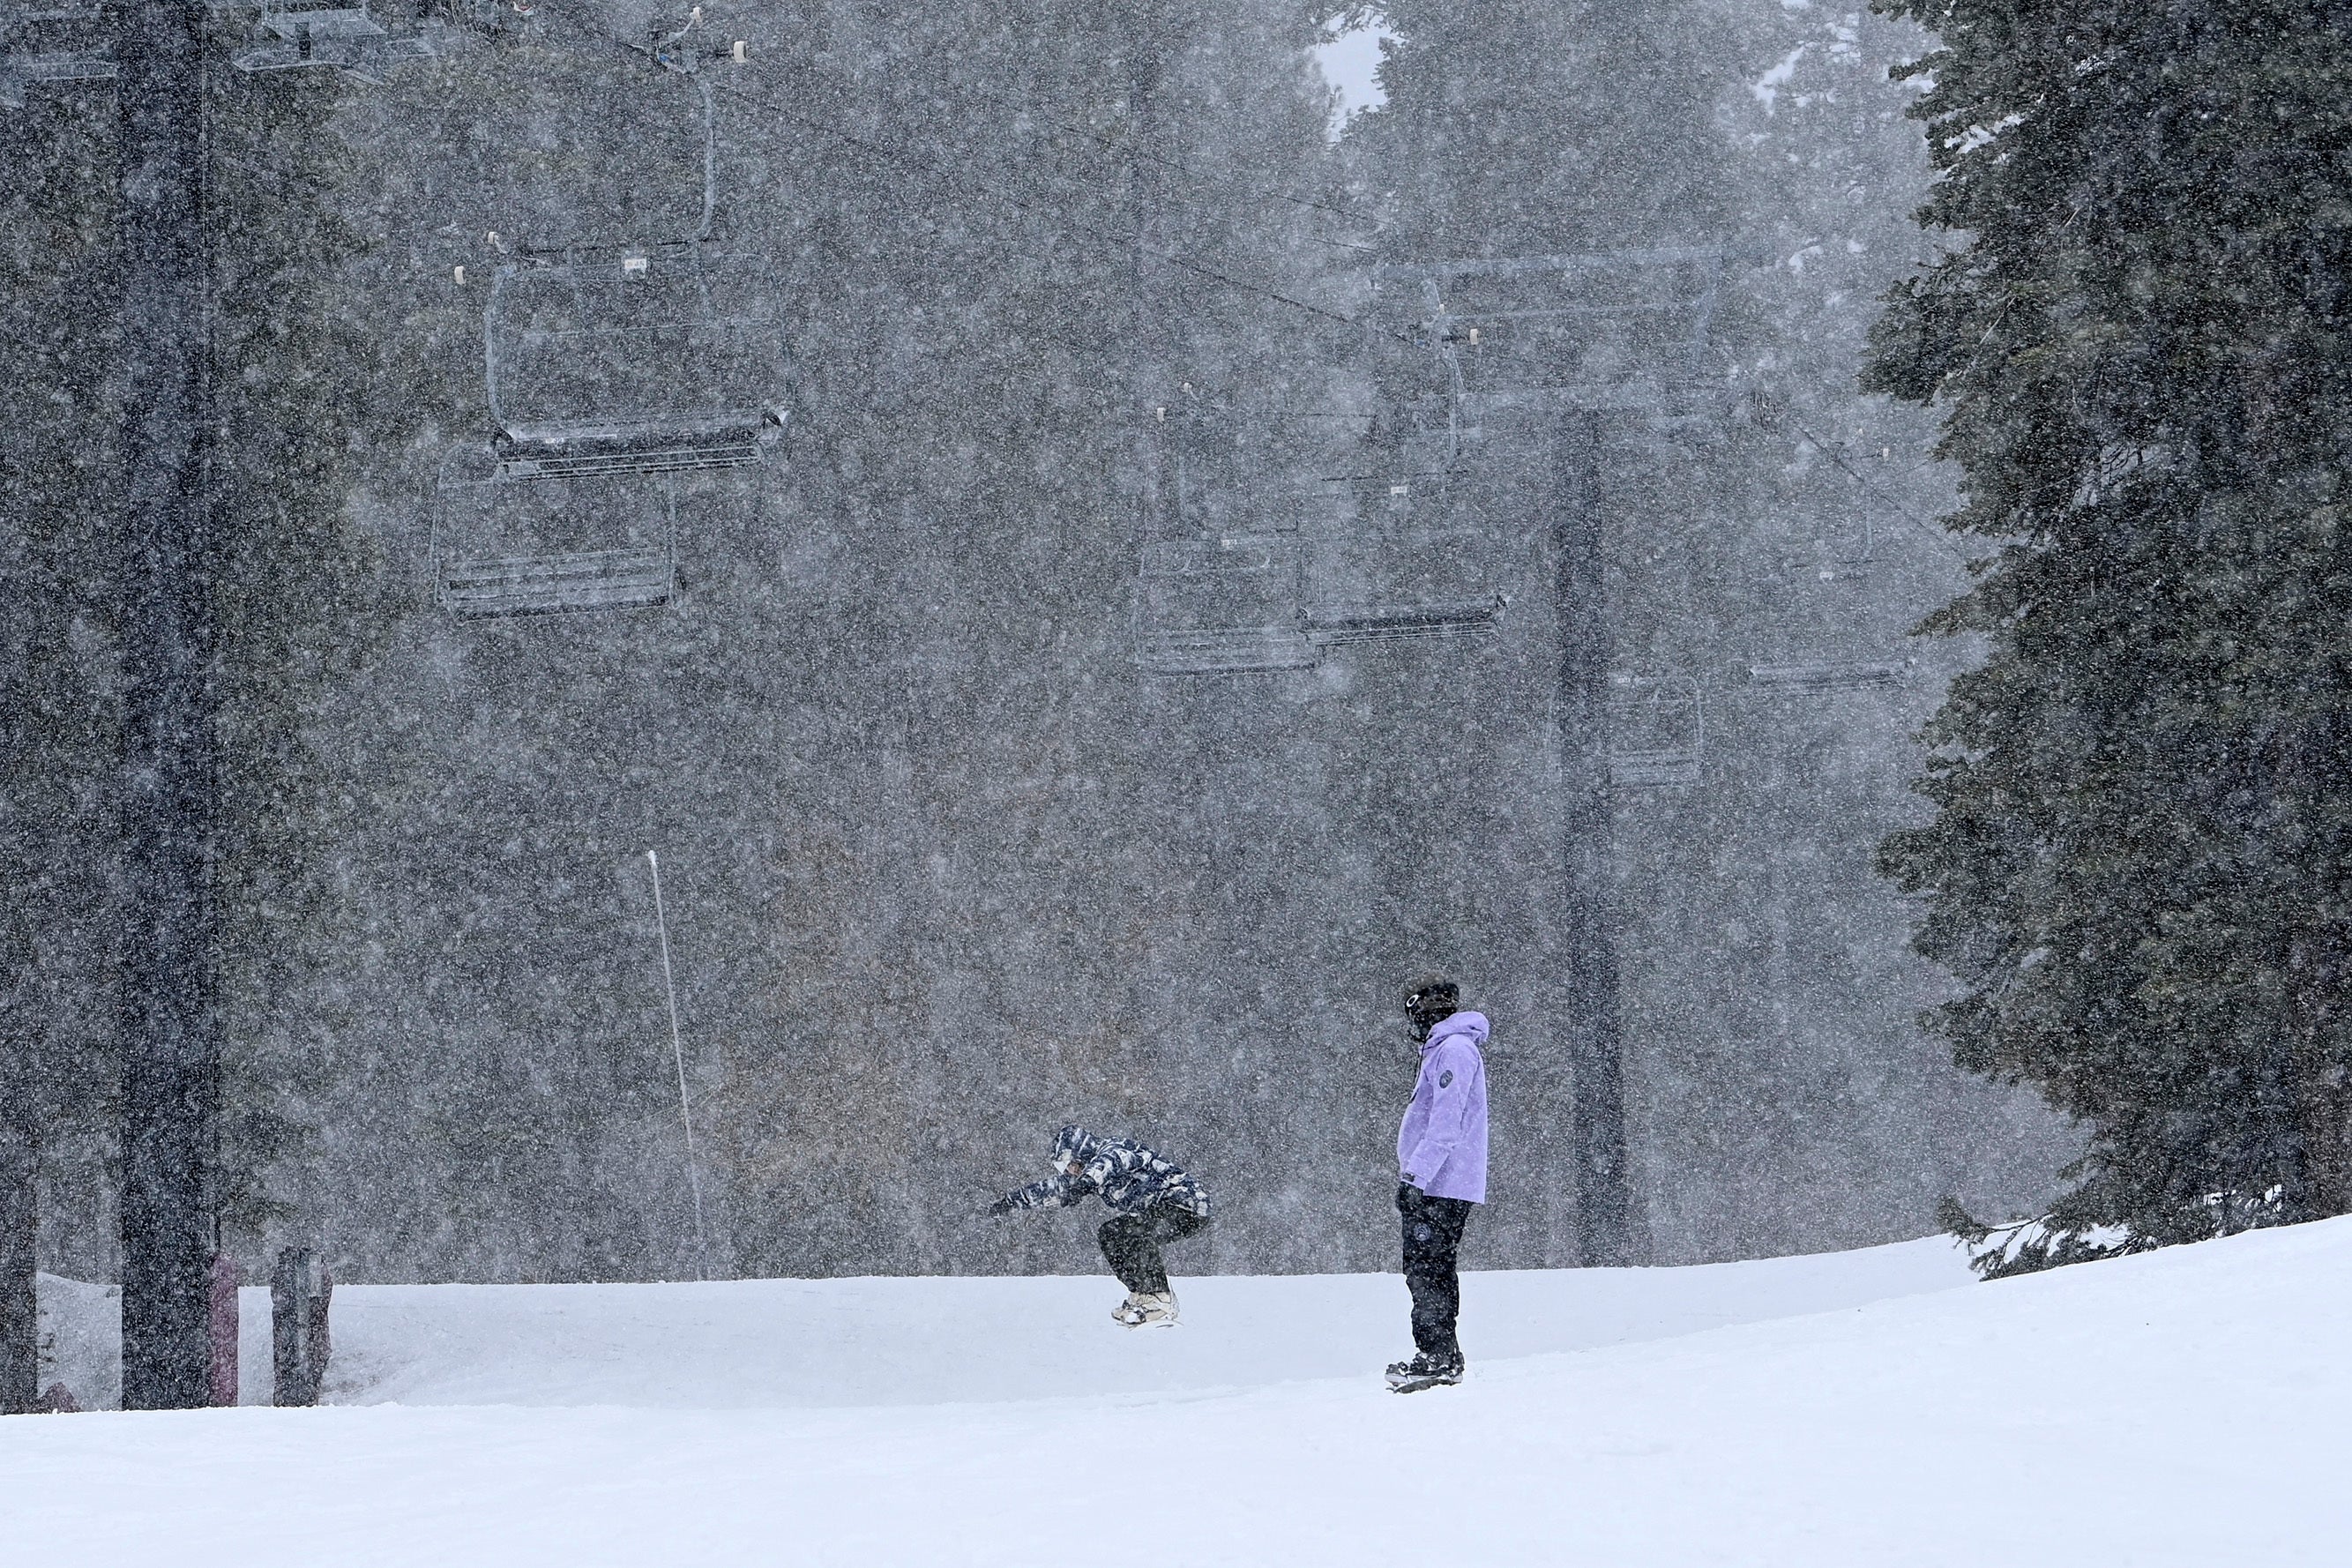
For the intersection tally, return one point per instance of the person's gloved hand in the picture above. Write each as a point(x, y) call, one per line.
point(1001, 1207)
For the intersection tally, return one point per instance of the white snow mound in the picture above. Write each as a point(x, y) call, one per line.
point(760, 1344)
point(1858, 1410)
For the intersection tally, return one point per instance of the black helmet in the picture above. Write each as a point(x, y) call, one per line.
point(1430, 1004)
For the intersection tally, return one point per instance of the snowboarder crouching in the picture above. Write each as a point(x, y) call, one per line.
point(1155, 1203)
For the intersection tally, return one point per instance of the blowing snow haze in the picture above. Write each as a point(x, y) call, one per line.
point(1097, 542)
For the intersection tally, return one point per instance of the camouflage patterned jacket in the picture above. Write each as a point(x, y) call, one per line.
point(1128, 1178)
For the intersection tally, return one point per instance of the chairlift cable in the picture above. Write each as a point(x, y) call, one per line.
point(924, 166)
point(1024, 106)
point(1261, 191)
point(1941, 535)
point(1126, 241)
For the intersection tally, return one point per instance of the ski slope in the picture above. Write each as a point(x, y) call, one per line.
point(1858, 1410)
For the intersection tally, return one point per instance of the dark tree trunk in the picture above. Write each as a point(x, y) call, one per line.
point(20, 1324)
point(168, 786)
point(2323, 1107)
point(2303, 765)
point(1595, 1050)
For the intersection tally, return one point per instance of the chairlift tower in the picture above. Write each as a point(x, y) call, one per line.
point(1573, 343)
point(159, 59)
point(169, 1025)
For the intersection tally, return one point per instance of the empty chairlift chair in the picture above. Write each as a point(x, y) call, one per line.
point(1401, 566)
point(614, 375)
point(1414, 583)
point(1221, 606)
point(1618, 332)
point(651, 360)
point(573, 545)
point(1657, 732)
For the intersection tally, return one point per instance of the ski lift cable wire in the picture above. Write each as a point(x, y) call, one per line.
point(926, 166)
point(1940, 535)
point(1126, 241)
point(1038, 209)
point(1260, 189)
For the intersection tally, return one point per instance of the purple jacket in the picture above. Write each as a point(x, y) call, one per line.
point(1442, 1147)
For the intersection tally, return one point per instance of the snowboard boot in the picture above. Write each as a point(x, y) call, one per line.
point(1423, 1371)
point(1153, 1311)
point(1129, 1314)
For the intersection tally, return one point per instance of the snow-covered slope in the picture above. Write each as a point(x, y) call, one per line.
point(2183, 1407)
point(783, 1342)
point(777, 1343)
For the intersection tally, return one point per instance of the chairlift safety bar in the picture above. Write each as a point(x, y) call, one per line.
point(560, 583)
point(1673, 752)
point(1516, 266)
point(1837, 676)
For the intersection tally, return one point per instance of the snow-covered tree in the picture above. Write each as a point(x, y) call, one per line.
point(2137, 866)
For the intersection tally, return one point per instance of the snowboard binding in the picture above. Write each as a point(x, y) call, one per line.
point(1424, 1371)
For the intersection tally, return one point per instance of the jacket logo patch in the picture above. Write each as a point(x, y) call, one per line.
point(1445, 1078)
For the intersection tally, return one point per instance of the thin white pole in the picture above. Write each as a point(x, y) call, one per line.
point(678, 1050)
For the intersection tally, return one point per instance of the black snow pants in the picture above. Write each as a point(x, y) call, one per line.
point(1131, 1242)
point(1432, 1235)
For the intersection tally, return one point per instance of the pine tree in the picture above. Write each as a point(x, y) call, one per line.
point(2136, 870)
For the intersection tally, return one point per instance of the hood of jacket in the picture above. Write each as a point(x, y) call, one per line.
point(1464, 1025)
point(1074, 1144)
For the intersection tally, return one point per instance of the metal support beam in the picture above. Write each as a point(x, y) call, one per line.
point(1604, 1199)
point(169, 788)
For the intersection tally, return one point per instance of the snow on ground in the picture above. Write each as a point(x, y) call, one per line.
point(767, 1342)
point(1861, 1410)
